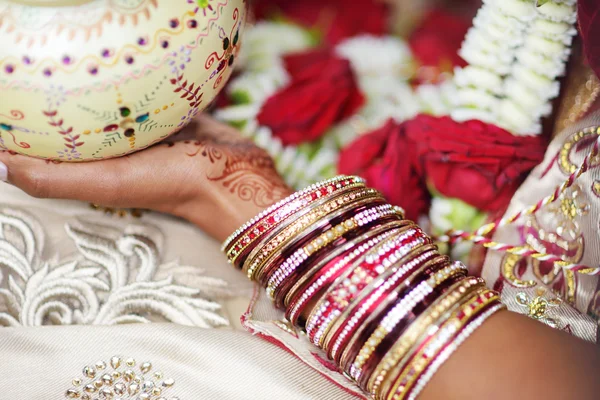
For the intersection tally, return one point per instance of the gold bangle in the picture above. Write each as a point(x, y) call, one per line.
point(403, 263)
point(314, 221)
point(298, 213)
point(388, 322)
point(419, 361)
point(422, 336)
point(294, 261)
point(257, 230)
point(297, 287)
point(409, 337)
point(316, 314)
point(273, 242)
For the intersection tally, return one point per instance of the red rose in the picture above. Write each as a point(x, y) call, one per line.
point(334, 19)
point(322, 92)
point(588, 13)
point(382, 157)
point(436, 41)
point(479, 163)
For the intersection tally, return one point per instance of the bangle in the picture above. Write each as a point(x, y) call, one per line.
point(435, 341)
point(410, 336)
point(451, 348)
point(331, 271)
point(349, 285)
point(400, 311)
point(420, 288)
point(292, 264)
point(290, 252)
point(302, 195)
point(301, 232)
point(276, 239)
point(334, 250)
point(414, 260)
point(381, 301)
point(238, 248)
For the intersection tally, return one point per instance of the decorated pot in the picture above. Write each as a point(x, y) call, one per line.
point(92, 79)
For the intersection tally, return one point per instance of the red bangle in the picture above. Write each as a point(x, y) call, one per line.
point(364, 308)
point(238, 246)
point(331, 271)
point(419, 273)
point(348, 286)
point(361, 369)
point(294, 251)
point(296, 283)
point(278, 285)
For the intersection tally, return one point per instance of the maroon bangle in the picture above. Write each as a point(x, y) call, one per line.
point(390, 339)
point(322, 254)
point(419, 273)
point(376, 294)
point(313, 232)
point(348, 286)
point(330, 272)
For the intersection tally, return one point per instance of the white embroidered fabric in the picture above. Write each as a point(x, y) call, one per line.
point(101, 286)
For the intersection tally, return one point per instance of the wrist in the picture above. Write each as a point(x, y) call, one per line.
point(220, 212)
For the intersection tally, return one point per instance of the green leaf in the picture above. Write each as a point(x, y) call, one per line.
point(540, 3)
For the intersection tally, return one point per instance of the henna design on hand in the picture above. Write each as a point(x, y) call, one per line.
point(240, 166)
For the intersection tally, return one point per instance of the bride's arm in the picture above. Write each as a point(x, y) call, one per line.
point(218, 181)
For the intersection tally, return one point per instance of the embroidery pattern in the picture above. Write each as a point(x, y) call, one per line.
point(114, 279)
point(540, 306)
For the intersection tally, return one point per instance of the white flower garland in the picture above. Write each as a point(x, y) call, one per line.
point(516, 51)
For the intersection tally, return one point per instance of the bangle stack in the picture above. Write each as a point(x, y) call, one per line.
point(367, 286)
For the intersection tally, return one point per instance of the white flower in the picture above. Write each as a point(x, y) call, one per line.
point(376, 56)
point(267, 41)
point(516, 52)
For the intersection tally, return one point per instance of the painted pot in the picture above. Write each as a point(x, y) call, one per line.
point(84, 80)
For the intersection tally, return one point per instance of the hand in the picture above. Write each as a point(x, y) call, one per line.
point(206, 174)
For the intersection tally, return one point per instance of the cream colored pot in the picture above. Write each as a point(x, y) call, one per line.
point(92, 79)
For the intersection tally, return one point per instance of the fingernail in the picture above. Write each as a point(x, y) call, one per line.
point(3, 172)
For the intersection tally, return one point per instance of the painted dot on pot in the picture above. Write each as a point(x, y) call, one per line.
point(5, 127)
point(142, 41)
point(236, 38)
point(174, 23)
point(9, 68)
point(192, 24)
point(226, 43)
point(142, 118)
point(47, 72)
point(27, 60)
point(92, 69)
point(129, 59)
point(106, 53)
point(66, 60)
point(164, 44)
point(125, 111)
point(231, 60)
point(111, 128)
point(129, 132)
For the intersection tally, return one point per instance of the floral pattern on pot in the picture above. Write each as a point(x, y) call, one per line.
point(94, 79)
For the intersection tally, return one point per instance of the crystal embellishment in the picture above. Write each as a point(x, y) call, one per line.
point(121, 379)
